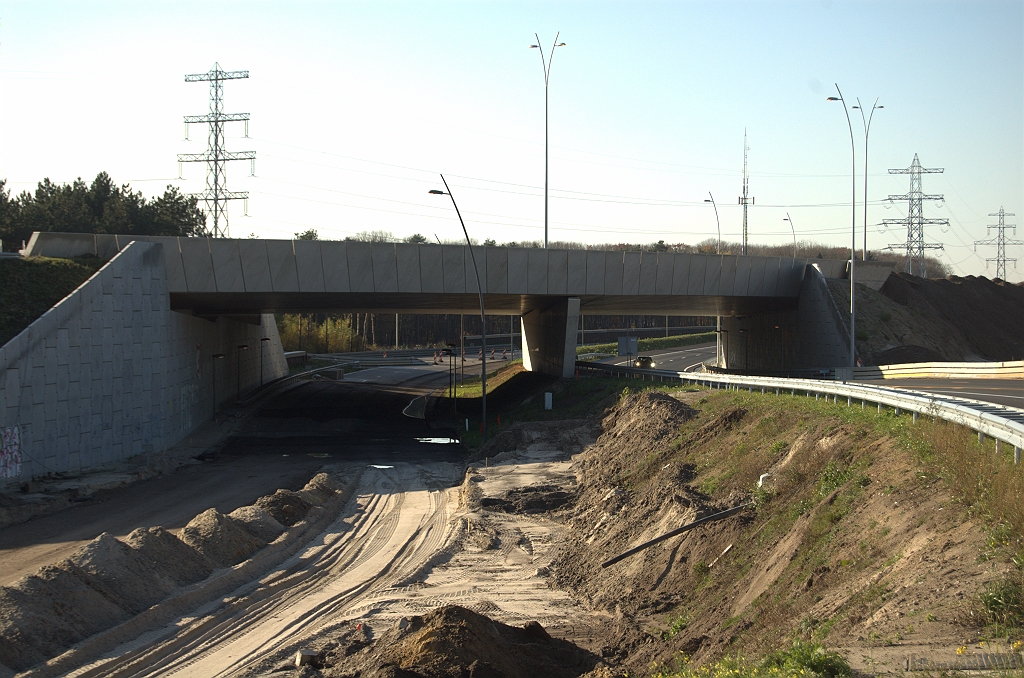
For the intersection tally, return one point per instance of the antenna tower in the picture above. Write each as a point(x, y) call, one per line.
point(745, 199)
point(216, 195)
point(1000, 242)
point(915, 221)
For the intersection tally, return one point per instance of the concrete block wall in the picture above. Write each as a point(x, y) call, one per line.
point(111, 372)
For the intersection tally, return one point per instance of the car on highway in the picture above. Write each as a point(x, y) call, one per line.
point(644, 361)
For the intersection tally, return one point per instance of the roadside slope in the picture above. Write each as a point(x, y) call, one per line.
point(857, 540)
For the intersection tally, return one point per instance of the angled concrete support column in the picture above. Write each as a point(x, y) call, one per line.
point(549, 338)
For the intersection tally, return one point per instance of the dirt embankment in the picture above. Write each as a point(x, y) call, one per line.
point(109, 581)
point(854, 542)
point(452, 642)
point(937, 319)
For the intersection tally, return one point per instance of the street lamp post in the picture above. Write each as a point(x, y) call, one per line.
point(794, 233)
point(867, 131)
point(546, 65)
point(263, 341)
point(718, 250)
point(853, 218)
point(483, 313)
point(238, 376)
point(216, 357)
point(718, 318)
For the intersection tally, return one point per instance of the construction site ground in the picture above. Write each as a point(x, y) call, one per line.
point(873, 535)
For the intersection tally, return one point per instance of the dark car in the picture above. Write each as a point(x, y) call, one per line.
point(644, 361)
point(447, 352)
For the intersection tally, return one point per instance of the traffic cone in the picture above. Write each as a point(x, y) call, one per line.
point(481, 356)
point(435, 357)
point(504, 354)
point(492, 354)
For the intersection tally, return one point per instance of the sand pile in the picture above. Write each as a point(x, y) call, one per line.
point(285, 506)
point(455, 642)
point(110, 580)
point(219, 538)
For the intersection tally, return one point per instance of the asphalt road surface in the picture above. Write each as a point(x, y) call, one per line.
point(683, 359)
point(1000, 391)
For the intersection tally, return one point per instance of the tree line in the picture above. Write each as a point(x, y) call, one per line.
point(99, 207)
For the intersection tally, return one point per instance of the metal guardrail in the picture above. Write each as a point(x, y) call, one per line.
point(1004, 424)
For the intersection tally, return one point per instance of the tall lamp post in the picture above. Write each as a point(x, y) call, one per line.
point(867, 131)
point(853, 218)
point(793, 228)
point(483, 318)
point(263, 343)
point(216, 357)
point(238, 372)
point(718, 318)
point(546, 65)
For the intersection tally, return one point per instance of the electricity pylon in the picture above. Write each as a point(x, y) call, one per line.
point(915, 221)
point(216, 157)
point(1000, 242)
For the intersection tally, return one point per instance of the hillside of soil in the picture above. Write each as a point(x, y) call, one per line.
point(109, 581)
point(937, 319)
point(856, 539)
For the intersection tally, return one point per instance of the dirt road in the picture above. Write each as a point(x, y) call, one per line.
point(412, 538)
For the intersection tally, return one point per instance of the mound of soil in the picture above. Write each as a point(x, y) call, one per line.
point(453, 642)
point(219, 538)
point(855, 541)
point(944, 319)
point(533, 499)
point(908, 354)
point(169, 556)
point(258, 522)
point(285, 506)
point(978, 307)
point(108, 580)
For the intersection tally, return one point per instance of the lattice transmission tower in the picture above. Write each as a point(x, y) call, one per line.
point(745, 199)
point(915, 221)
point(216, 195)
point(1000, 242)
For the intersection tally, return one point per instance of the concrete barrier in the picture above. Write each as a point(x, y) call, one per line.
point(1013, 369)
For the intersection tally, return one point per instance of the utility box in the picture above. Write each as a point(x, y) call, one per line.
point(628, 346)
point(547, 400)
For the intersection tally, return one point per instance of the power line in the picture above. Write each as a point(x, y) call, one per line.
point(216, 157)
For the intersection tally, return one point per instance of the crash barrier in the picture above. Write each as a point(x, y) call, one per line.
point(1011, 369)
point(1004, 424)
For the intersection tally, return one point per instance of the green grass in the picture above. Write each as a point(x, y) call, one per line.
point(651, 344)
point(30, 287)
point(802, 659)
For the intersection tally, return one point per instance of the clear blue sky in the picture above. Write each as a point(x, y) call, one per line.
point(356, 106)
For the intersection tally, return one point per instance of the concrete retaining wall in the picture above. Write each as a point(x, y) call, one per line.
point(112, 372)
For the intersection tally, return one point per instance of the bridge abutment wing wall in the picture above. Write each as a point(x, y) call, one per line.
point(111, 372)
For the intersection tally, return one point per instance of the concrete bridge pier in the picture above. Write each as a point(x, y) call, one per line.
point(549, 338)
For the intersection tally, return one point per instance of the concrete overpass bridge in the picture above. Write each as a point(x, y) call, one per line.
point(549, 289)
point(169, 329)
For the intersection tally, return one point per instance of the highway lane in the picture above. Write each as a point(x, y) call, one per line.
point(1009, 392)
point(680, 359)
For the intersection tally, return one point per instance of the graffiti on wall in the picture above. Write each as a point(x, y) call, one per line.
point(10, 453)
